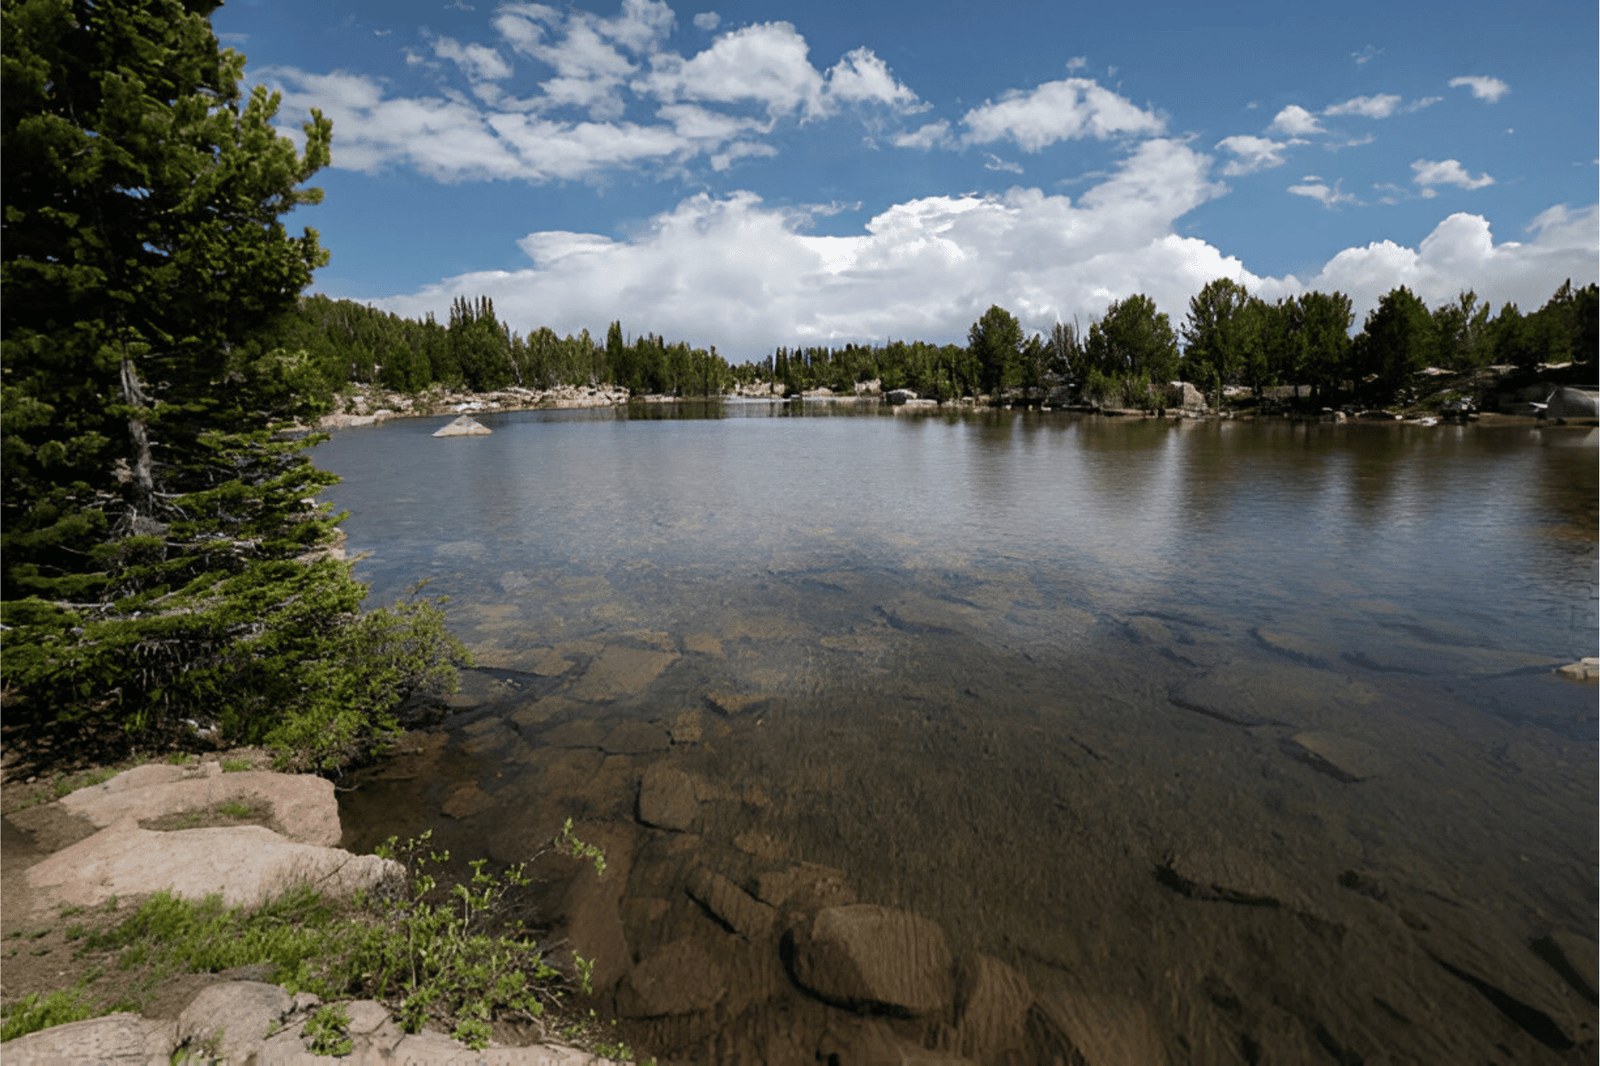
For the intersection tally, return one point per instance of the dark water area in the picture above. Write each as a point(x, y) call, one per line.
point(1200, 742)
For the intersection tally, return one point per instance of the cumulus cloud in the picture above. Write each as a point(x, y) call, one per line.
point(564, 118)
point(1446, 172)
point(1296, 121)
point(994, 162)
point(735, 272)
point(707, 20)
point(1380, 106)
point(1483, 88)
point(1253, 154)
point(1461, 253)
point(1058, 111)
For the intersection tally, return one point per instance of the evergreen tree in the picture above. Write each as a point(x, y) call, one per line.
point(995, 341)
point(161, 554)
point(1397, 339)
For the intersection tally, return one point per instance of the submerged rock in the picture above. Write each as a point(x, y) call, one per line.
point(869, 956)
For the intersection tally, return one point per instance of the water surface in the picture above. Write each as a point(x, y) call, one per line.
point(1237, 740)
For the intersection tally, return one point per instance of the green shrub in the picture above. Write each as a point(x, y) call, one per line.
point(34, 1012)
point(329, 1031)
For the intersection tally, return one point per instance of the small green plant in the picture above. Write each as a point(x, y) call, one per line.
point(235, 809)
point(235, 766)
point(568, 844)
point(328, 1030)
point(585, 973)
point(34, 1012)
point(179, 758)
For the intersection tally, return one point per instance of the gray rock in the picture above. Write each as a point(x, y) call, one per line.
point(465, 426)
point(233, 1018)
point(302, 804)
point(244, 865)
point(114, 1040)
point(864, 955)
point(732, 906)
point(667, 800)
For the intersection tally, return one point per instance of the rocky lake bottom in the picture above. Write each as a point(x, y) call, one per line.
point(1009, 739)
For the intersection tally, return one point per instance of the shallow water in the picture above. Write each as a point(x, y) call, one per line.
point(1238, 741)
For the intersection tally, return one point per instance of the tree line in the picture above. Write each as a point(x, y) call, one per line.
point(349, 343)
point(1228, 338)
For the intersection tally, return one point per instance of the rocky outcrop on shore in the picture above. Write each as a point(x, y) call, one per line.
point(261, 1024)
point(366, 407)
point(122, 840)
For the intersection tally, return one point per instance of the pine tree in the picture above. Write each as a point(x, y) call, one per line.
point(162, 553)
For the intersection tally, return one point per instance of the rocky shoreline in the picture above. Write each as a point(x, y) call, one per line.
point(91, 850)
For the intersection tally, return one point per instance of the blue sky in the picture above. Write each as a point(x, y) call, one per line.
point(749, 174)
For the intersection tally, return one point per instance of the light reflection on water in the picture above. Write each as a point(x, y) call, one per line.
point(1002, 666)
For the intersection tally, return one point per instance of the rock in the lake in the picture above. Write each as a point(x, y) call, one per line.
point(992, 1002)
point(1582, 670)
point(732, 906)
point(678, 978)
point(465, 426)
point(867, 956)
point(667, 800)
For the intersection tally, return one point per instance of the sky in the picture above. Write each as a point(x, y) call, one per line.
point(755, 173)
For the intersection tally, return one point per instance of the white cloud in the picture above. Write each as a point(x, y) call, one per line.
point(1380, 106)
point(994, 162)
point(1422, 102)
point(1365, 55)
point(1058, 111)
point(1446, 172)
point(862, 77)
point(744, 276)
point(1461, 253)
point(764, 64)
point(1483, 88)
point(1296, 121)
point(737, 273)
point(707, 20)
point(1320, 191)
point(476, 61)
point(1254, 153)
point(569, 125)
point(1077, 63)
point(931, 135)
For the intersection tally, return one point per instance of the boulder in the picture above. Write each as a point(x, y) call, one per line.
point(992, 1002)
point(116, 1040)
point(465, 426)
point(732, 906)
point(667, 799)
point(303, 805)
point(245, 866)
point(1582, 670)
point(682, 977)
point(862, 955)
point(233, 1019)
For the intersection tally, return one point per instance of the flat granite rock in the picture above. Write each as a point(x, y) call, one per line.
point(245, 865)
point(465, 426)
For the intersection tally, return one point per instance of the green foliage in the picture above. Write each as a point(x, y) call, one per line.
point(454, 959)
point(1133, 339)
point(995, 342)
point(34, 1012)
point(329, 1031)
point(162, 551)
point(235, 766)
point(566, 843)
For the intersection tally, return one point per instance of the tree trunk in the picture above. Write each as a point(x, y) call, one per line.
point(140, 519)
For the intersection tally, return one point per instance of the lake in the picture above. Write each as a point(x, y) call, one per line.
point(1198, 742)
